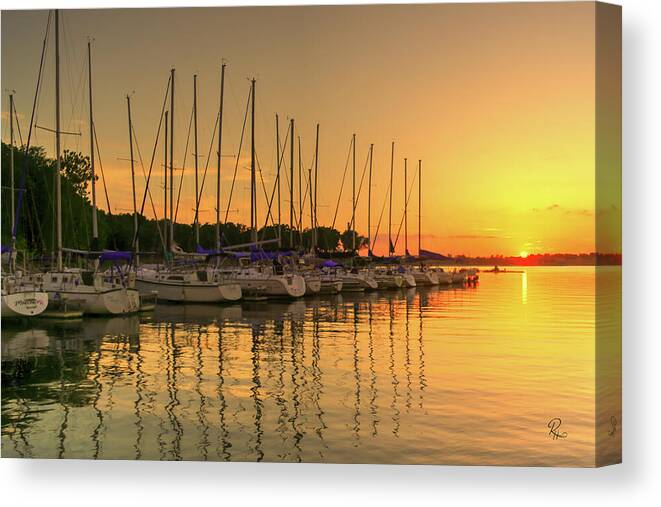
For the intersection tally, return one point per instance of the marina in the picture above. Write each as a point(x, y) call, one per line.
point(230, 239)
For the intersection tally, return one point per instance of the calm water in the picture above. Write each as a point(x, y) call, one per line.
point(455, 376)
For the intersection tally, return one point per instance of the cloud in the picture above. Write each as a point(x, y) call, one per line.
point(562, 209)
point(473, 236)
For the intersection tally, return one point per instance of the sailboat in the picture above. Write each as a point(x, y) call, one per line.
point(261, 275)
point(96, 292)
point(421, 274)
point(22, 296)
point(204, 285)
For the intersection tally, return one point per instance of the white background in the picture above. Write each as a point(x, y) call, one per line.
point(636, 482)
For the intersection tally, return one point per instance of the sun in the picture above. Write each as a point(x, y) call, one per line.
point(523, 254)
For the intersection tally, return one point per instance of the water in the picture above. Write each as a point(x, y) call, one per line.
point(453, 376)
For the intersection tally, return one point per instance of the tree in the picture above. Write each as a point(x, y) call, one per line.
point(77, 169)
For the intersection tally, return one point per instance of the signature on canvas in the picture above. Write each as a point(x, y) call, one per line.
point(554, 428)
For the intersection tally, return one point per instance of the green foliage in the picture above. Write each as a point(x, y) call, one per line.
point(36, 231)
point(347, 241)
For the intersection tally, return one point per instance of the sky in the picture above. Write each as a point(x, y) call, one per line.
point(497, 100)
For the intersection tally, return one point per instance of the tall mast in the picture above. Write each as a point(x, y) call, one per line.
point(95, 224)
point(369, 205)
point(58, 148)
point(353, 194)
point(392, 163)
point(166, 236)
point(11, 164)
point(253, 181)
point(291, 184)
point(316, 179)
point(419, 205)
point(277, 159)
point(311, 209)
point(171, 241)
point(406, 222)
point(220, 142)
point(300, 195)
point(196, 222)
point(135, 208)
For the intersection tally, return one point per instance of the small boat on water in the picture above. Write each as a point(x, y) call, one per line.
point(424, 276)
point(264, 278)
point(22, 296)
point(330, 284)
point(356, 281)
point(95, 292)
point(458, 277)
point(186, 286)
point(496, 269)
point(312, 283)
point(388, 278)
point(444, 278)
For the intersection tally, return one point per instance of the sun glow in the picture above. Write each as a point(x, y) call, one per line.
point(523, 254)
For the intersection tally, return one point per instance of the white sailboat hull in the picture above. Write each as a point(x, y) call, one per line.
point(189, 292)
point(425, 278)
point(331, 286)
point(24, 304)
point(312, 286)
point(118, 301)
point(276, 286)
point(409, 280)
point(356, 282)
point(390, 281)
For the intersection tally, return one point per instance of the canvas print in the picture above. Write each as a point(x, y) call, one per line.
point(331, 234)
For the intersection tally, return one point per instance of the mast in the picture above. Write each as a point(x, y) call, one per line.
point(419, 205)
point(58, 148)
point(291, 184)
point(312, 232)
point(253, 181)
point(277, 158)
point(165, 178)
point(135, 208)
point(171, 240)
point(196, 222)
point(406, 222)
point(353, 194)
point(316, 179)
point(11, 165)
point(220, 142)
point(300, 195)
point(369, 205)
point(95, 224)
point(392, 163)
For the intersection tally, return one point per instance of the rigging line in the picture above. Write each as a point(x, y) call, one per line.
point(35, 105)
point(262, 178)
point(360, 187)
point(378, 225)
point(103, 176)
point(282, 154)
point(206, 167)
point(344, 175)
point(266, 196)
point(151, 200)
point(70, 55)
point(408, 198)
point(238, 156)
point(183, 167)
point(151, 164)
point(18, 125)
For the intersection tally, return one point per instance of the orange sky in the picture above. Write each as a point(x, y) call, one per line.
point(497, 100)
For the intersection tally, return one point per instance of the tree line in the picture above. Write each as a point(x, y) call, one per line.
point(35, 172)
